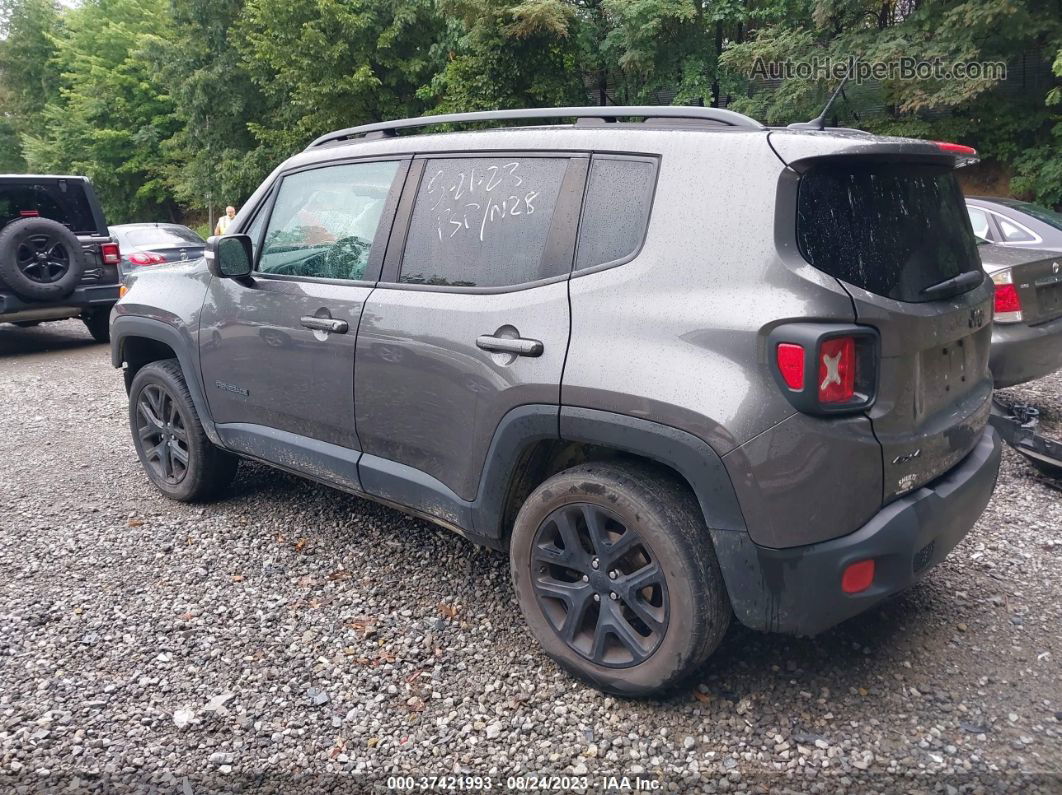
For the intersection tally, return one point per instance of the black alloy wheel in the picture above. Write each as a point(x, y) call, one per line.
point(163, 434)
point(599, 585)
point(43, 259)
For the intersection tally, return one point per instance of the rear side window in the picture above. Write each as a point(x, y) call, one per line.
point(619, 195)
point(63, 201)
point(1013, 233)
point(979, 221)
point(892, 229)
point(483, 222)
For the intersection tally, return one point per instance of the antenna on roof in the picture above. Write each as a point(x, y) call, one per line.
point(819, 122)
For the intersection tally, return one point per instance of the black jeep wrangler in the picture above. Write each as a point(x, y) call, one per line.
point(57, 259)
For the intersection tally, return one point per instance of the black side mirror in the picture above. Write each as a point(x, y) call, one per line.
point(230, 256)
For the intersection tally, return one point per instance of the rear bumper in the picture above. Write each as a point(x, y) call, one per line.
point(88, 296)
point(798, 590)
point(1023, 353)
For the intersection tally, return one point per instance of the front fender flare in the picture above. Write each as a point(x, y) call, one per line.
point(125, 326)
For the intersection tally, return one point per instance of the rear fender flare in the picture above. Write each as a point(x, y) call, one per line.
point(523, 427)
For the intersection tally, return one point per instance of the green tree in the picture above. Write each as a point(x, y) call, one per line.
point(28, 77)
point(111, 114)
point(509, 54)
point(212, 156)
point(327, 64)
point(1009, 128)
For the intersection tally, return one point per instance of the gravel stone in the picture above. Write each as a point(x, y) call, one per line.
point(291, 638)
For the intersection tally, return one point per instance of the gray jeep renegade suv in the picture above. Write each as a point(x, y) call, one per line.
point(682, 369)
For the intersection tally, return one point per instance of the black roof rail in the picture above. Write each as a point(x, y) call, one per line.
point(651, 113)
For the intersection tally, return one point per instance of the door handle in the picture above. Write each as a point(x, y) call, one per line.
point(518, 346)
point(324, 324)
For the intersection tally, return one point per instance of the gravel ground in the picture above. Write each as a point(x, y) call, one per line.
point(294, 637)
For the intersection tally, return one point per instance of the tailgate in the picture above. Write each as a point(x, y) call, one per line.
point(886, 218)
point(934, 388)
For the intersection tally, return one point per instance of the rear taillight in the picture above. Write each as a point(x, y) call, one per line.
point(110, 254)
point(1008, 302)
point(826, 368)
point(146, 258)
point(837, 370)
point(29, 214)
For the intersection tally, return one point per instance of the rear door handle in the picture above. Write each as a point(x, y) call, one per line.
point(325, 324)
point(519, 345)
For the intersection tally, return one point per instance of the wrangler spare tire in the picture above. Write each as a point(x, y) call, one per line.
point(40, 259)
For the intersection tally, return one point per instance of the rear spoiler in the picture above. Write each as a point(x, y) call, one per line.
point(799, 148)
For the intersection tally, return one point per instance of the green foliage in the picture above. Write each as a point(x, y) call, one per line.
point(212, 157)
point(28, 78)
point(1012, 129)
point(110, 114)
point(507, 55)
point(181, 105)
point(325, 64)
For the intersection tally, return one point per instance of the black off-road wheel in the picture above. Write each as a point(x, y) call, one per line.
point(40, 259)
point(617, 577)
point(169, 438)
point(98, 324)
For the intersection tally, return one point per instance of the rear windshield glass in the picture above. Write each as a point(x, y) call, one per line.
point(1049, 217)
point(892, 229)
point(62, 200)
point(159, 237)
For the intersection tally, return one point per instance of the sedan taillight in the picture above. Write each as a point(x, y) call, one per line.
point(146, 258)
point(1007, 302)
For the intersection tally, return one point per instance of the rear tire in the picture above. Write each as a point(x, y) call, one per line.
point(663, 613)
point(169, 438)
point(98, 325)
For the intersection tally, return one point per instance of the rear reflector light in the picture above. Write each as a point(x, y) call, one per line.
point(146, 258)
point(791, 364)
point(29, 213)
point(837, 368)
point(110, 253)
point(1007, 301)
point(857, 577)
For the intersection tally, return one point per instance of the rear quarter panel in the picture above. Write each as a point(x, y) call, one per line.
point(676, 335)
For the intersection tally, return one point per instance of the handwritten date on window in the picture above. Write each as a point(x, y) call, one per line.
point(476, 200)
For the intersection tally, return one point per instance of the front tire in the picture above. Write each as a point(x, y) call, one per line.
point(617, 577)
point(169, 438)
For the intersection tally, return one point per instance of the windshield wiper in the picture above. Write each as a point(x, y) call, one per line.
point(954, 285)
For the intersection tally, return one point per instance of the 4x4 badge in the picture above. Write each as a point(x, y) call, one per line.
point(907, 457)
point(977, 317)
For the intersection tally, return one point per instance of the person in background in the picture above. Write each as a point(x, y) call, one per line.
point(222, 226)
